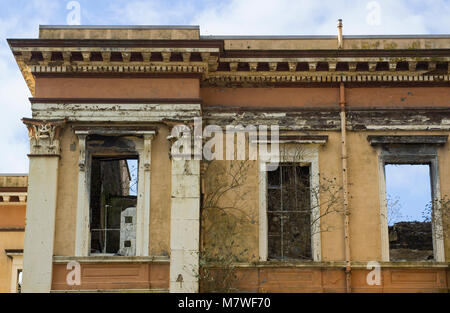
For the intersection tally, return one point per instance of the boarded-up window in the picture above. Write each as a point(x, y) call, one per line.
point(289, 212)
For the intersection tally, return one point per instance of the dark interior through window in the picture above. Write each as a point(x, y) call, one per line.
point(289, 213)
point(113, 205)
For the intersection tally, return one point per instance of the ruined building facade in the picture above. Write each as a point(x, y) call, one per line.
point(107, 197)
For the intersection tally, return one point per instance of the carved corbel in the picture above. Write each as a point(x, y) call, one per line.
point(213, 63)
point(66, 56)
point(47, 56)
point(106, 56)
point(146, 56)
point(186, 56)
point(273, 66)
point(392, 66)
point(253, 66)
point(233, 66)
point(431, 66)
point(126, 57)
point(412, 65)
point(292, 66)
point(205, 56)
point(312, 66)
point(26, 56)
point(86, 56)
point(332, 66)
point(166, 56)
point(352, 66)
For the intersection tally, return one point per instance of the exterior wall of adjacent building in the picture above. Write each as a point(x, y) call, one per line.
point(12, 228)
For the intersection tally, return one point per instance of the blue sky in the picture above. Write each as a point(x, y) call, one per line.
point(21, 19)
point(408, 191)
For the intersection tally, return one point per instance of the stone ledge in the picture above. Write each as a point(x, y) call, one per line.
point(111, 259)
point(112, 291)
point(340, 264)
point(414, 139)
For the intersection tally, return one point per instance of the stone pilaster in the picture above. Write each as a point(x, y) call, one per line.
point(185, 224)
point(41, 204)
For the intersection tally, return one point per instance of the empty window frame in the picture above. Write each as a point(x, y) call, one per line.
point(419, 150)
point(289, 212)
point(409, 208)
point(113, 200)
point(19, 281)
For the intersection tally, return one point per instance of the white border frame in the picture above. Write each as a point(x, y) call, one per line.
point(143, 147)
point(289, 153)
point(437, 231)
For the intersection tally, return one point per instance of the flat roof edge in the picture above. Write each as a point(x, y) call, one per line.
point(196, 27)
point(281, 37)
point(13, 174)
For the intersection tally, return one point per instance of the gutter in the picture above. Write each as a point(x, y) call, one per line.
point(344, 157)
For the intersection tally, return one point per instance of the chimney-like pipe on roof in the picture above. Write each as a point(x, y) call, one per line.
point(340, 39)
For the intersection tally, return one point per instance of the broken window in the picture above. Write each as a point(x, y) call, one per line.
point(289, 212)
point(408, 195)
point(113, 199)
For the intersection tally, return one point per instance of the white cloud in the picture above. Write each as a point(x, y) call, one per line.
point(285, 17)
point(152, 12)
point(411, 185)
point(14, 92)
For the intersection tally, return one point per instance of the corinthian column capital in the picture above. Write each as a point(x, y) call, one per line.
point(44, 135)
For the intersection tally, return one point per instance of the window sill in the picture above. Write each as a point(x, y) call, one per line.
point(111, 259)
point(408, 264)
point(338, 264)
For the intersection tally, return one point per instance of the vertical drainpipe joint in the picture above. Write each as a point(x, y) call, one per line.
point(340, 38)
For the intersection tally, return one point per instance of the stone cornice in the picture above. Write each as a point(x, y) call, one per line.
point(95, 111)
point(13, 197)
point(218, 67)
point(115, 43)
point(117, 100)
